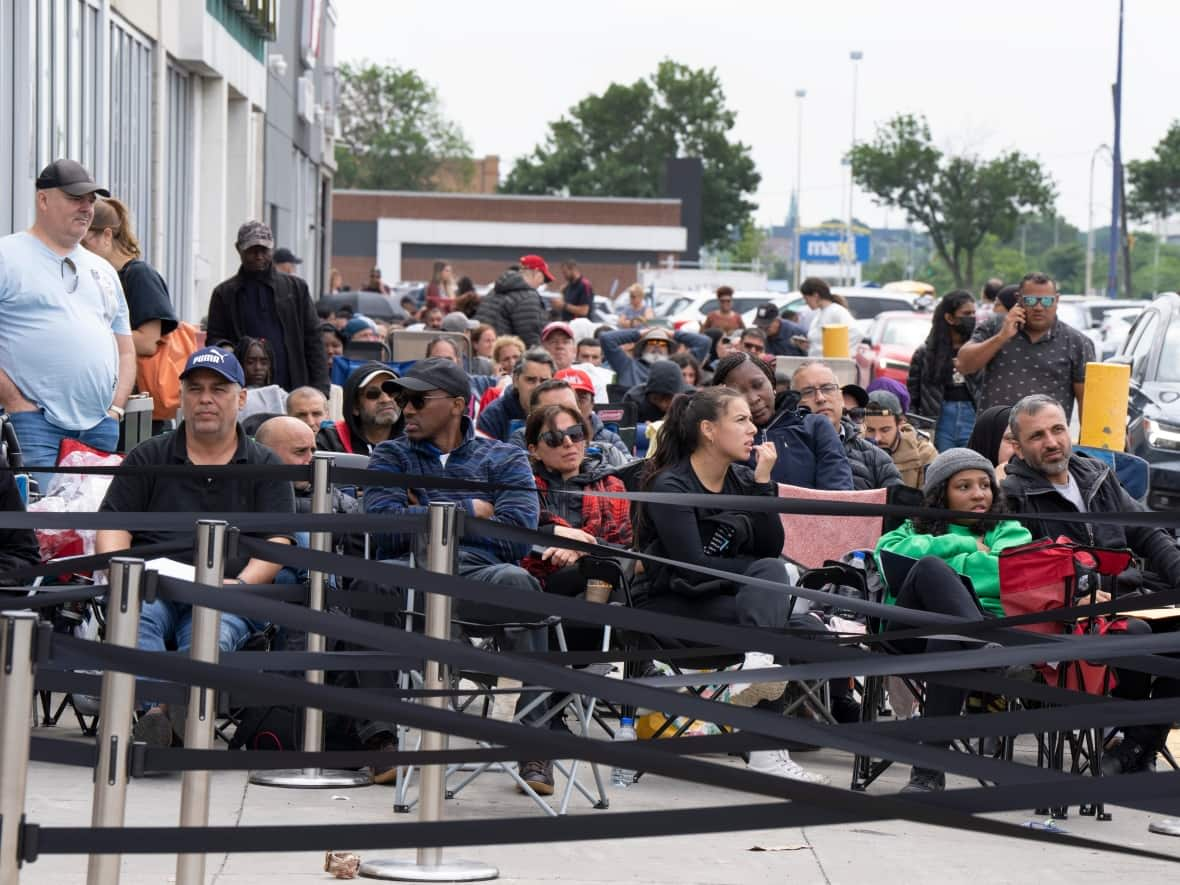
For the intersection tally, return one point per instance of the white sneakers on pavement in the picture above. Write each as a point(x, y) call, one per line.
point(744, 694)
point(780, 764)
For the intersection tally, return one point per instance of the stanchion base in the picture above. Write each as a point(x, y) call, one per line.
point(302, 778)
point(447, 871)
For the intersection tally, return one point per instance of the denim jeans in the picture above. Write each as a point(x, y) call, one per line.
point(40, 439)
point(163, 619)
point(955, 422)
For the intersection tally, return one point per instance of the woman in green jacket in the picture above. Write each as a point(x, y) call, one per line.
point(947, 552)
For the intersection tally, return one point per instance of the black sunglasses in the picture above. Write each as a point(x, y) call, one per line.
point(856, 415)
point(418, 400)
point(387, 387)
point(554, 438)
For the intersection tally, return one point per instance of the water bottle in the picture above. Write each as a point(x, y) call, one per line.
point(858, 560)
point(623, 777)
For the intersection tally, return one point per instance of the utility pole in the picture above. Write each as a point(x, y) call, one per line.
point(1112, 272)
point(856, 55)
point(800, 94)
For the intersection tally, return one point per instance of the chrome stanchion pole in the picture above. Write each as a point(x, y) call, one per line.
point(430, 866)
point(16, 705)
point(209, 553)
point(313, 719)
point(114, 717)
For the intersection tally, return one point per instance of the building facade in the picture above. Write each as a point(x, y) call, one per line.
point(405, 232)
point(164, 101)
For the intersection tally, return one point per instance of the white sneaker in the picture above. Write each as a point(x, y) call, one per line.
point(747, 694)
point(780, 764)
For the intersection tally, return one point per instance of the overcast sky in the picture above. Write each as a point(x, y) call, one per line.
point(1028, 74)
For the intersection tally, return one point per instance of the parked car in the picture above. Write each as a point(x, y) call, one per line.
point(690, 318)
point(374, 305)
point(889, 344)
point(1153, 416)
point(1114, 330)
point(864, 303)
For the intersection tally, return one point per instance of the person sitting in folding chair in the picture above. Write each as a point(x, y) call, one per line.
point(1048, 478)
point(440, 440)
point(556, 437)
point(947, 552)
point(701, 450)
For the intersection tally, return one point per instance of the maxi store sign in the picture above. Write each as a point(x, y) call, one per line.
point(831, 247)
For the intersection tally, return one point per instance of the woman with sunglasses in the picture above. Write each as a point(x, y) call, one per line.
point(555, 437)
point(702, 449)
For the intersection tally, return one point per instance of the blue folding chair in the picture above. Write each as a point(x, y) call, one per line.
point(1133, 472)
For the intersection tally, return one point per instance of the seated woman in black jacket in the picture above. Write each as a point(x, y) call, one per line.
point(701, 450)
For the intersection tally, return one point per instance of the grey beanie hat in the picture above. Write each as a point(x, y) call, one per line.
point(951, 462)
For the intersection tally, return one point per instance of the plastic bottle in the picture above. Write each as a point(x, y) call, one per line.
point(858, 560)
point(623, 777)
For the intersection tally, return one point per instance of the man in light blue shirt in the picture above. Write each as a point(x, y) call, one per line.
point(67, 361)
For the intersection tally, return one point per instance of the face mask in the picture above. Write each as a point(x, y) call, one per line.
point(653, 356)
point(965, 326)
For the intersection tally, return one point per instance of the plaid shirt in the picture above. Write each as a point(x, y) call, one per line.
point(607, 519)
point(477, 459)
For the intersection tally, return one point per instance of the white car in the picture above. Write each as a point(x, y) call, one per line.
point(863, 303)
point(691, 316)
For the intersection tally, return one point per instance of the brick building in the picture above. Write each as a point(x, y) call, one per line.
point(404, 233)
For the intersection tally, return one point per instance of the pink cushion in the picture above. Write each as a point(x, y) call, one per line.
point(812, 539)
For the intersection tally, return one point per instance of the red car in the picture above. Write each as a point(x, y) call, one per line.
point(889, 345)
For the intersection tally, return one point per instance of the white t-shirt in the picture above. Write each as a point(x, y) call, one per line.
point(830, 315)
point(57, 346)
point(1071, 493)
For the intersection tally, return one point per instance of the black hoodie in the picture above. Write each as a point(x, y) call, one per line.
point(346, 435)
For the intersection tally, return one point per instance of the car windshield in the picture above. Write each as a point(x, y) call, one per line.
point(906, 332)
point(675, 307)
point(1169, 369)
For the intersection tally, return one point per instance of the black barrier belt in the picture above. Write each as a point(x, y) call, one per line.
point(648, 622)
point(533, 741)
point(536, 672)
point(383, 478)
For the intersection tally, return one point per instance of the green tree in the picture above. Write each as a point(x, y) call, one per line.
point(884, 272)
point(1155, 183)
point(616, 144)
point(958, 199)
point(393, 132)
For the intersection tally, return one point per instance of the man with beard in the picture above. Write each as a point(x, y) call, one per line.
point(651, 346)
point(1048, 478)
point(370, 412)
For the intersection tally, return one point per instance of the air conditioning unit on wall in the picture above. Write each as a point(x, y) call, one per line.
point(305, 98)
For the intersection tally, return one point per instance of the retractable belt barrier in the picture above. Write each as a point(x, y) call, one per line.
point(816, 656)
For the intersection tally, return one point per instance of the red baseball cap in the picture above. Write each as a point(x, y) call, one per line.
point(536, 262)
point(577, 380)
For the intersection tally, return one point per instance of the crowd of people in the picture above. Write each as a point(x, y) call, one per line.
point(526, 393)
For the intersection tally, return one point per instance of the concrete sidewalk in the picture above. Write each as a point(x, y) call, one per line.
point(874, 852)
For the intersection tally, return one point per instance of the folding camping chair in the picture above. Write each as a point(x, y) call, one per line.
point(1048, 575)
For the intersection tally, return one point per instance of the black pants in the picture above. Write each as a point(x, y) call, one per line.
point(933, 586)
point(1136, 686)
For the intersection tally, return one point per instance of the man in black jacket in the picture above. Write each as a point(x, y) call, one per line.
point(1047, 479)
point(513, 307)
point(261, 302)
point(370, 414)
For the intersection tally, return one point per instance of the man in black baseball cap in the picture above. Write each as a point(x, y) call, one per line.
point(71, 177)
point(782, 336)
point(261, 301)
point(286, 261)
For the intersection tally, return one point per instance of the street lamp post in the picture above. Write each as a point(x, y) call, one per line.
point(1090, 222)
point(800, 94)
point(856, 55)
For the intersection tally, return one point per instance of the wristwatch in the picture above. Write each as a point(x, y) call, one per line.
point(118, 410)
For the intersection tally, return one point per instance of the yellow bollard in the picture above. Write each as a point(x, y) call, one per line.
point(836, 342)
point(1104, 406)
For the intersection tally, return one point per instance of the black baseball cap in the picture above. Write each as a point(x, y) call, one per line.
point(436, 373)
point(283, 255)
point(71, 177)
point(766, 315)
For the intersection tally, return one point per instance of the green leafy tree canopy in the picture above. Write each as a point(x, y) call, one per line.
point(960, 200)
point(616, 144)
point(393, 132)
point(1155, 183)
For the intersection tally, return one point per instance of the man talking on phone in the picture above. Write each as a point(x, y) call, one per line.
point(1029, 350)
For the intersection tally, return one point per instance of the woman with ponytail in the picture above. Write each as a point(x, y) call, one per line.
point(938, 390)
point(112, 237)
point(702, 449)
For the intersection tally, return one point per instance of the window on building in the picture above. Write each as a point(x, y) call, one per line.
point(130, 176)
point(178, 197)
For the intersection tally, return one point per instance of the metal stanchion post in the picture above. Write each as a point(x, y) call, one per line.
point(313, 720)
point(430, 866)
point(16, 702)
point(202, 702)
point(114, 718)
